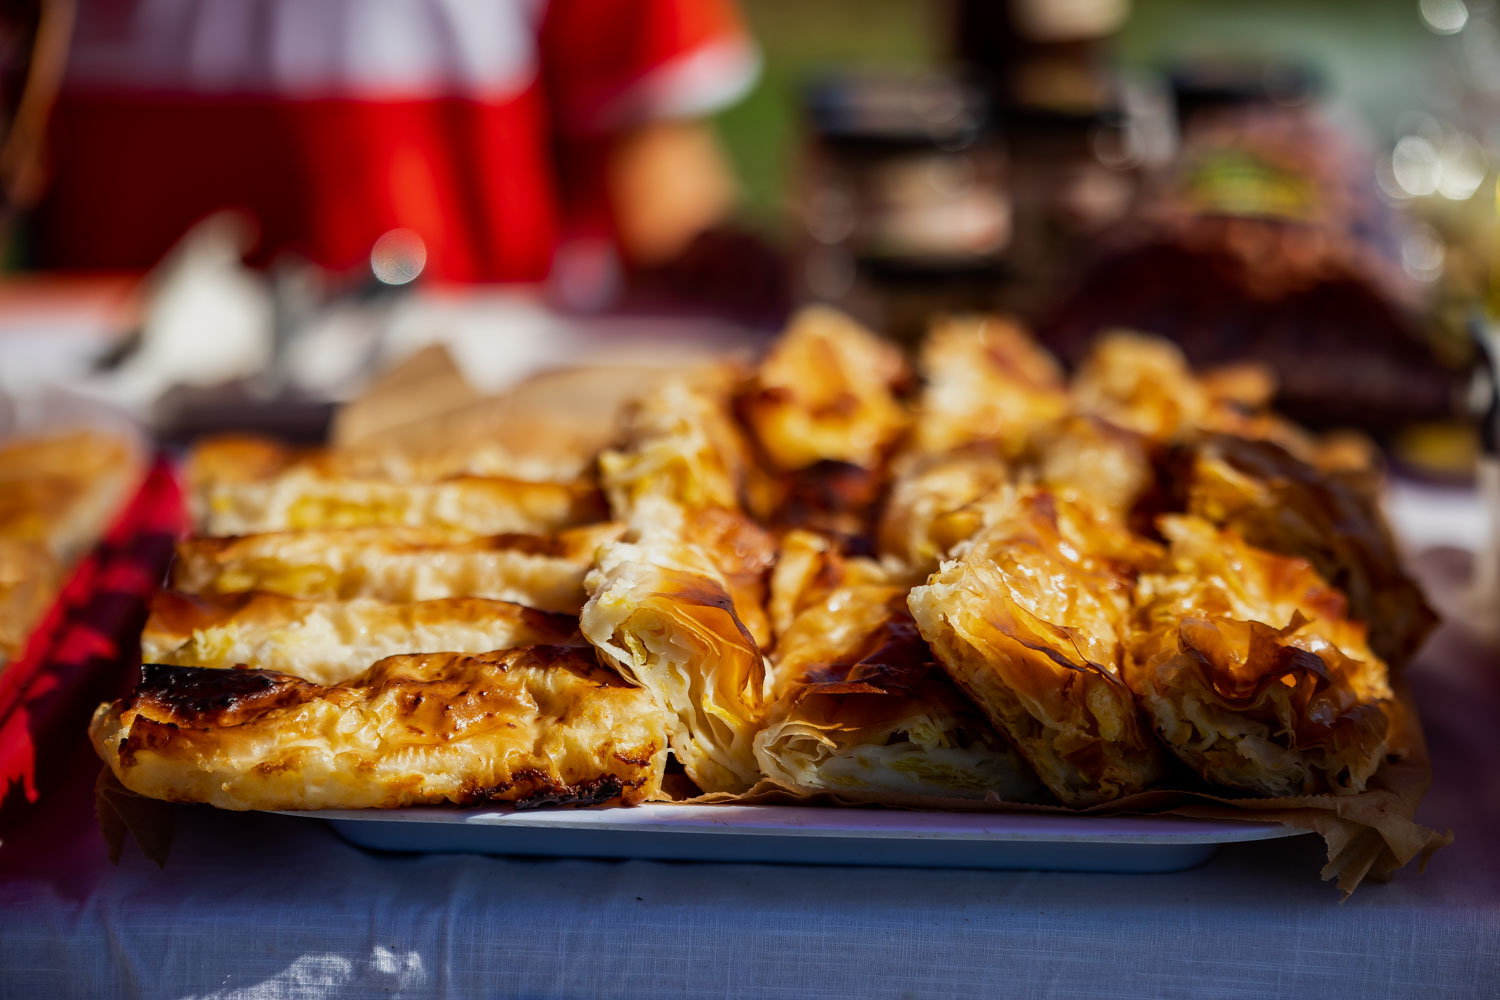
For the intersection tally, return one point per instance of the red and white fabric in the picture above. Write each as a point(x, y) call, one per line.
point(333, 121)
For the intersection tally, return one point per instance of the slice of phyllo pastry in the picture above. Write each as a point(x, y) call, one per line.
point(534, 726)
point(681, 470)
point(661, 612)
point(1030, 620)
point(987, 382)
point(680, 444)
point(931, 505)
point(864, 710)
point(1251, 670)
point(826, 392)
point(331, 641)
point(396, 564)
point(240, 490)
point(1276, 501)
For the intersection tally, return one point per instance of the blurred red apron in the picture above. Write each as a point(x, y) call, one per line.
point(332, 121)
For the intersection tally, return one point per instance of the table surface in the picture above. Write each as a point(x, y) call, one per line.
point(261, 906)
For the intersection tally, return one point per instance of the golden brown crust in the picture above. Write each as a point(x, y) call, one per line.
point(931, 505)
point(988, 383)
point(1032, 628)
point(681, 444)
point(301, 498)
point(60, 491)
point(330, 641)
point(1279, 503)
point(1251, 671)
point(826, 392)
point(30, 580)
point(660, 611)
point(396, 564)
point(537, 725)
point(863, 708)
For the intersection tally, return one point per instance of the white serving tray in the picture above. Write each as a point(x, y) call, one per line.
point(806, 835)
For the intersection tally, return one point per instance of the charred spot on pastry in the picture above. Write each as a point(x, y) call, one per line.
point(593, 792)
point(642, 758)
point(196, 697)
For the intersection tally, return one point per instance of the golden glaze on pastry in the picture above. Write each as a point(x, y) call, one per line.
point(396, 564)
point(301, 499)
point(660, 611)
point(681, 444)
point(1032, 628)
point(930, 507)
point(863, 708)
point(680, 474)
point(244, 458)
point(61, 491)
point(30, 580)
point(1251, 671)
point(534, 726)
point(1276, 502)
point(826, 392)
point(987, 382)
point(330, 641)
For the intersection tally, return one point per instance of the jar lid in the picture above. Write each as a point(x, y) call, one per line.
point(897, 111)
point(1221, 85)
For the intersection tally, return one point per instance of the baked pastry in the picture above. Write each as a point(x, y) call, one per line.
point(60, 491)
point(537, 725)
point(396, 564)
point(1032, 627)
point(987, 382)
point(681, 472)
point(330, 641)
point(1090, 460)
point(301, 498)
point(929, 509)
point(826, 391)
point(30, 579)
point(741, 552)
point(1251, 671)
point(1279, 503)
point(58, 494)
point(1143, 384)
point(680, 444)
point(660, 612)
point(242, 458)
point(863, 708)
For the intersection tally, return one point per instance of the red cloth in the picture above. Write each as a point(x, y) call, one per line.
point(84, 650)
point(327, 160)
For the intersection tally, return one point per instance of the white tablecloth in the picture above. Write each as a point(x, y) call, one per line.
point(257, 906)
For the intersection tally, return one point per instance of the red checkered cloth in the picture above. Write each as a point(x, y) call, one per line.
point(86, 647)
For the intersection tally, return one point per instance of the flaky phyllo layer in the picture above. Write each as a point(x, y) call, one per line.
point(531, 726)
point(300, 500)
point(1251, 670)
point(330, 641)
point(931, 505)
point(396, 564)
point(987, 383)
point(863, 709)
point(661, 613)
point(1280, 503)
point(681, 444)
point(825, 393)
point(1032, 628)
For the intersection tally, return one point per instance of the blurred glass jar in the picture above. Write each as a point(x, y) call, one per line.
point(902, 202)
point(1077, 170)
